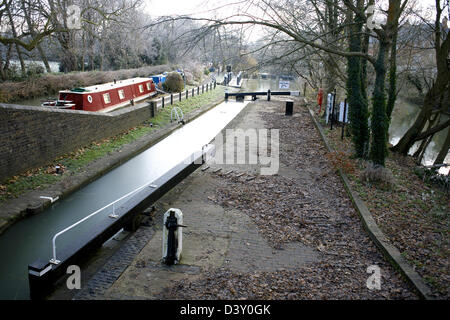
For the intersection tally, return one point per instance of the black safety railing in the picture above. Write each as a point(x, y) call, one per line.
point(254, 95)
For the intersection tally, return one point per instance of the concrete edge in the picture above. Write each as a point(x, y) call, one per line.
point(87, 178)
point(375, 233)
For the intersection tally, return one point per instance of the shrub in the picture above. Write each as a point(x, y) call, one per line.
point(174, 82)
point(34, 69)
point(377, 174)
point(432, 175)
point(190, 78)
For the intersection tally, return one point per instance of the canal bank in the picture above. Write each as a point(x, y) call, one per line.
point(406, 215)
point(31, 203)
point(292, 235)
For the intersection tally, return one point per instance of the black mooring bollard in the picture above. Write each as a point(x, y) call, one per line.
point(179, 98)
point(268, 95)
point(162, 102)
point(226, 96)
point(171, 99)
point(152, 108)
point(289, 107)
point(171, 225)
point(187, 94)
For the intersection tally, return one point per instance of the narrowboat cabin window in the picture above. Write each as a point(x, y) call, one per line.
point(141, 88)
point(148, 86)
point(106, 98)
point(121, 94)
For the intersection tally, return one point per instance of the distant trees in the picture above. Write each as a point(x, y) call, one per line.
point(23, 27)
point(102, 34)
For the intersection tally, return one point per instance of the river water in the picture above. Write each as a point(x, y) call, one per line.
point(54, 66)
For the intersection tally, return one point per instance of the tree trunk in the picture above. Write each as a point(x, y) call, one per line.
point(418, 155)
point(379, 123)
point(33, 33)
point(358, 108)
point(444, 150)
point(431, 100)
point(2, 72)
point(392, 94)
point(14, 32)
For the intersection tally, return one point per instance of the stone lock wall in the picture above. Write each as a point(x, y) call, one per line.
point(31, 137)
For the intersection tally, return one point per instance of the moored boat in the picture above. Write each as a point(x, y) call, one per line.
point(105, 97)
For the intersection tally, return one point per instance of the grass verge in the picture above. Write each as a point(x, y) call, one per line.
point(75, 161)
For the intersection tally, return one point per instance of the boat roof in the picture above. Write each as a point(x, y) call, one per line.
point(107, 86)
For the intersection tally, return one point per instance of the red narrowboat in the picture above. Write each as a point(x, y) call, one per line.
point(105, 97)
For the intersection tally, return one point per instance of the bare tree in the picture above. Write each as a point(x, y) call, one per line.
point(434, 98)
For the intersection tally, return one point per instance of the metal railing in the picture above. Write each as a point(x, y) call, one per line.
point(112, 215)
point(178, 115)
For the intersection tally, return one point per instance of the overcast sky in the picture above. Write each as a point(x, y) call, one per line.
point(180, 7)
point(187, 7)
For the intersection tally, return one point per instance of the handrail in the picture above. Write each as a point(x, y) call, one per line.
point(113, 215)
point(175, 110)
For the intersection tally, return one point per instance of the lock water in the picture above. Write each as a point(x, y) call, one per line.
point(30, 239)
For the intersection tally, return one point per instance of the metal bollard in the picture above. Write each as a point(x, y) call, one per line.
point(289, 107)
point(172, 236)
point(152, 108)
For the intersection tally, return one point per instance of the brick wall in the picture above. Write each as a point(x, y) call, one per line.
point(31, 137)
